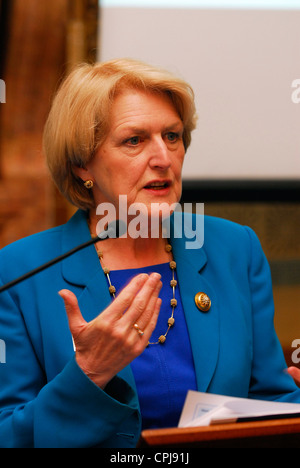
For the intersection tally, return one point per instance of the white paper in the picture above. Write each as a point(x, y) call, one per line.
point(203, 409)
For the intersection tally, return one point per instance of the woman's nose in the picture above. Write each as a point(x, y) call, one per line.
point(159, 154)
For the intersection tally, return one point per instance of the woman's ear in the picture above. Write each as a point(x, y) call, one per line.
point(82, 173)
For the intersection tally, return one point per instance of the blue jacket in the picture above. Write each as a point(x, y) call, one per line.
point(45, 398)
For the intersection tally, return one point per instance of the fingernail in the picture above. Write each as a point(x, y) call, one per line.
point(142, 278)
point(156, 276)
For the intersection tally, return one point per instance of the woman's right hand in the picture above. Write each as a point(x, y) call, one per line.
point(110, 342)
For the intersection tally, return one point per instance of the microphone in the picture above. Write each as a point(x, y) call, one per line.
point(114, 230)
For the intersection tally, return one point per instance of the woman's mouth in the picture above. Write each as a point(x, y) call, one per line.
point(158, 185)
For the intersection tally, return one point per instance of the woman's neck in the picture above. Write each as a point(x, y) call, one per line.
point(127, 252)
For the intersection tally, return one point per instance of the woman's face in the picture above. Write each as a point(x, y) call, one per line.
point(143, 153)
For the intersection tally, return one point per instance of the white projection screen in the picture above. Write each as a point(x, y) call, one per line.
point(242, 59)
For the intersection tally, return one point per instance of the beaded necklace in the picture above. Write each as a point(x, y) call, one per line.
point(173, 284)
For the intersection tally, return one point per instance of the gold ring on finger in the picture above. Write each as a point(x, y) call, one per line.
point(137, 328)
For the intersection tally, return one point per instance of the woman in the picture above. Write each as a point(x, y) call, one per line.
point(132, 334)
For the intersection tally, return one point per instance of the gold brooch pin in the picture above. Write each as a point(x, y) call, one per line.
point(203, 302)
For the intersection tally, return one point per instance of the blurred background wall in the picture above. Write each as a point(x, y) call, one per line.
point(40, 42)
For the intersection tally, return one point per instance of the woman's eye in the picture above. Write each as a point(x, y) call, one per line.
point(133, 141)
point(172, 137)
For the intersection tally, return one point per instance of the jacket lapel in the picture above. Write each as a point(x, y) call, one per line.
point(203, 326)
point(79, 268)
point(84, 269)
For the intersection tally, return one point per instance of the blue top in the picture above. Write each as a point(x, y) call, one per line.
point(163, 372)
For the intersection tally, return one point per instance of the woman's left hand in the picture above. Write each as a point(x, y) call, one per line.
point(295, 373)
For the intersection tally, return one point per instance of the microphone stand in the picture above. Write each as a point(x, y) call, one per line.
point(114, 229)
point(49, 264)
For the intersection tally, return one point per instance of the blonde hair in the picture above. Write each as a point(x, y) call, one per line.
point(78, 122)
